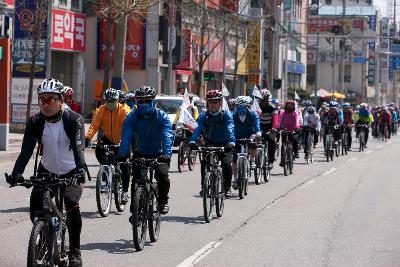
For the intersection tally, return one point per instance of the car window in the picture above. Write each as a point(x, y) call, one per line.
point(169, 105)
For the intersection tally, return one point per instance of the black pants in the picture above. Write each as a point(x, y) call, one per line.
point(294, 138)
point(100, 155)
point(72, 196)
point(349, 131)
point(160, 174)
point(270, 137)
point(307, 131)
point(226, 165)
point(366, 132)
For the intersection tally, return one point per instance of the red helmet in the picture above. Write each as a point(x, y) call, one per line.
point(214, 95)
point(291, 102)
point(68, 91)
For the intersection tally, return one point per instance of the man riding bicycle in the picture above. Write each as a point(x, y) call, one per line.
point(149, 131)
point(347, 123)
point(311, 122)
point(269, 124)
point(60, 135)
point(109, 118)
point(217, 129)
point(332, 120)
point(363, 117)
point(385, 120)
point(247, 126)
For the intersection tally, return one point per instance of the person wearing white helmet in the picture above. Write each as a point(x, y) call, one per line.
point(69, 99)
point(60, 133)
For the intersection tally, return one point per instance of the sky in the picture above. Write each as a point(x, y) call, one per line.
point(381, 4)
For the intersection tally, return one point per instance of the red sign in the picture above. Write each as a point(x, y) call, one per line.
point(230, 5)
point(68, 30)
point(186, 55)
point(135, 44)
point(216, 58)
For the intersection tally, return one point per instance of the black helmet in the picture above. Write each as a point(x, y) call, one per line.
point(145, 92)
point(111, 94)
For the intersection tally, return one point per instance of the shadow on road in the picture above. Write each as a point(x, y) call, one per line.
point(185, 220)
point(120, 246)
point(90, 214)
point(20, 209)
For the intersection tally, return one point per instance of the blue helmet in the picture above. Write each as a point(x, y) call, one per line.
point(332, 104)
point(306, 103)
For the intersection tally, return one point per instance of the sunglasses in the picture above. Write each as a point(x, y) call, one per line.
point(48, 100)
point(213, 101)
point(144, 101)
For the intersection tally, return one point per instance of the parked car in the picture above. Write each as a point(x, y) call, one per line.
point(170, 105)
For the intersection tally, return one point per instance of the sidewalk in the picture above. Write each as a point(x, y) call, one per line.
point(14, 147)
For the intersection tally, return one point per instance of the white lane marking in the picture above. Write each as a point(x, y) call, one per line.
point(369, 152)
point(199, 255)
point(308, 183)
point(378, 147)
point(330, 171)
point(352, 159)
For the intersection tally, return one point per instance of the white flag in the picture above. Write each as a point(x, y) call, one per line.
point(188, 120)
point(225, 91)
point(255, 106)
point(256, 92)
point(186, 100)
point(225, 106)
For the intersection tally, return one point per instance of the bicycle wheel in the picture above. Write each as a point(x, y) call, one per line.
point(327, 148)
point(219, 196)
point(207, 197)
point(289, 156)
point(192, 159)
point(241, 176)
point(103, 192)
point(139, 221)
point(181, 156)
point(362, 139)
point(257, 170)
point(246, 178)
point(40, 246)
point(118, 193)
point(64, 247)
point(331, 152)
point(310, 158)
point(154, 216)
point(283, 156)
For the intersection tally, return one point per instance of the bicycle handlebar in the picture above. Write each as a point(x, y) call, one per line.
point(97, 145)
point(46, 181)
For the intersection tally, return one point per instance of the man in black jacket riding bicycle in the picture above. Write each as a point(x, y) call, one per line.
point(61, 135)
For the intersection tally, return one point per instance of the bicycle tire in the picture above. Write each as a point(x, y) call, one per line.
point(331, 151)
point(63, 254)
point(154, 216)
point(219, 197)
point(290, 158)
point(207, 198)
point(103, 190)
point(240, 175)
point(283, 156)
point(192, 161)
point(181, 157)
point(139, 220)
point(246, 179)
point(39, 249)
point(118, 193)
point(362, 140)
point(260, 163)
point(327, 148)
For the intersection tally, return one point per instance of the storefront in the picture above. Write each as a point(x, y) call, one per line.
point(295, 73)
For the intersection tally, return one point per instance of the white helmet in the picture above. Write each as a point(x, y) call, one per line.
point(68, 91)
point(243, 101)
point(50, 86)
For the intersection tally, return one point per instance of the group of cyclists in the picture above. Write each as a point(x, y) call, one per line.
point(142, 130)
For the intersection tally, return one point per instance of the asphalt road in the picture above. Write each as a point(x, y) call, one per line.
point(341, 213)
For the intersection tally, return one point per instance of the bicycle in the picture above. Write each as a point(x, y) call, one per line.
point(345, 139)
point(184, 152)
point(145, 203)
point(329, 143)
point(287, 152)
point(361, 136)
point(49, 238)
point(309, 144)
point(262, 161)
point(108, 182)
point(243, 166)
point(212, 182)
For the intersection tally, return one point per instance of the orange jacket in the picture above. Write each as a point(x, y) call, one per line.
point(109, 121)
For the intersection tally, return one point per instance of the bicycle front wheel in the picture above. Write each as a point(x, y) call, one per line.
point(192, 159)
point(139, 222)
point(118, 193)
point(219, 196)
point(154, 217)
point(103, 192)
point(207, 197)
point(40, 250)
point(181, 156)
point(241, 176)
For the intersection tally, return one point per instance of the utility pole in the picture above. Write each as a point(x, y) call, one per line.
point(395, 71)
point(48, 41)
point(262, 41)
point(342, 46)
point(316, 69)
point(275, 51)
point(170, 40)
point(286, 67)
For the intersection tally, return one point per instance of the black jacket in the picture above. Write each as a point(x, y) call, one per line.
point(74, 128)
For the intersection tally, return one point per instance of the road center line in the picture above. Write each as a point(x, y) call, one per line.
point(199, 255)
point(352, 159)
point(369, 152)
point(308, 183)
point(330, 171)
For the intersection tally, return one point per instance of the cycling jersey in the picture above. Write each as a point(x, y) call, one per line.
point(363, 116)
point(268, 118)
point(331, 118)
point(385, 117)
point(394, 116)
point(348, 116)
point(150, 136)
point(312, 120)
point(109, 121)
point(250, 125)
point(218, 129)
point(289, 121)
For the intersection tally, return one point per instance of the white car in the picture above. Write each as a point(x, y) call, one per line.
point(169, 104)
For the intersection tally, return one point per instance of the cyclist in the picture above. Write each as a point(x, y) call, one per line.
point(269, 124)
point(332, 119)
point(363, 116)
point(60, 133)
point(312, 122)
point(394, 117)
point(109, 118)
point(247, 126)
point(348, 122)
point(217, 128)
point(69, 99)
point(232, 104)
point(289, 121)
point(322, 110)
point(385, 120)
point(149, 130)
point(130, 100)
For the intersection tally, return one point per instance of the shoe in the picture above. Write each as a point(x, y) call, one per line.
point(282, 164)
point(228, 193)
point(349, 149)
point(306, 156)
point(270, 165)
point(296, 155)
point(163, 208)
point(75, 259)
point(315, 146)
point(235, 185)
point(124, 198)
point(201, 193)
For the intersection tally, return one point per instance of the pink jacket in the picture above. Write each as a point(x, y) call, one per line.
point(289, 121)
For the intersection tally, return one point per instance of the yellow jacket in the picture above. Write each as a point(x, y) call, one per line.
point(109, 121)
point(195, 113)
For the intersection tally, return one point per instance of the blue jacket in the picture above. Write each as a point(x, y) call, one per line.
point(218, 130)
point(251, 125)
point(152, 136)
point(394, 116)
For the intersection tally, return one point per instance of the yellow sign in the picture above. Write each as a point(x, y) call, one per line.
point(27, 68)
point(253, 78)
point(242, 67)
point(253, 54)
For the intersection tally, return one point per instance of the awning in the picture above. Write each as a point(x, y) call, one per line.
point(187, 72)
